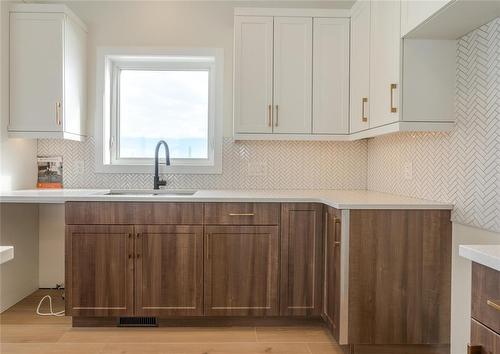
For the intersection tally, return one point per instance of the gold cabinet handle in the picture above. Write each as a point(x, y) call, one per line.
point(494, 303)
point(335, 222)
point(393, 88)
point(364, 118)
point(58, 113)
point(474, 349)
point(276, 121)
point(270, 115)
point(241, 214)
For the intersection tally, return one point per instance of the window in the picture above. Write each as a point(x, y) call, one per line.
point(168, 95)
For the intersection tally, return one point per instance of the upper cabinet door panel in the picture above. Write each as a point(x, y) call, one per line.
point(292, 74)
point(385, 62)
point(331, 76)
point(253, 74)
point(36, 71)
point(360, 66)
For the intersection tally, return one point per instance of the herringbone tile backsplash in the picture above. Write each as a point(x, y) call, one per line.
point(290, 165)
point(463, 166)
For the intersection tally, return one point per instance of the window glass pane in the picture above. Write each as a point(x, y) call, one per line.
point(163, 105)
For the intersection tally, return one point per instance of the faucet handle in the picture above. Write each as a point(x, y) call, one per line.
point(162, 182)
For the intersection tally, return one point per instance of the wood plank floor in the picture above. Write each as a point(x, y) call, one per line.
point(22, 331)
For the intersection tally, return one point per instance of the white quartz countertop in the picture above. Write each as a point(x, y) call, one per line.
point(487, 255)
point(340, 199)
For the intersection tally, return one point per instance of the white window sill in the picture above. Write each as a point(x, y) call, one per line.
point(149, 169)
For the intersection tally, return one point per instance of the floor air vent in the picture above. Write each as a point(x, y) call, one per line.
point(137, 322)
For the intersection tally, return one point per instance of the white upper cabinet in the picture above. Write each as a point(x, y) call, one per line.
point(253, 74)
point(445, 19)
point(36, 71)
point(292, 75)
point(410, 83)
point(415, 12)
point(291, 83)
point(385, 66)
point(360, 67)
point(47, 73)
point(331, 76)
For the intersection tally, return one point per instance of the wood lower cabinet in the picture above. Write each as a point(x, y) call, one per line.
point(485, 310)
point(331, 301)
point(99, 270)
point(169, 270)
point(301, 259)
point(241, 270)
point(486, 296)
point(399, 277)
point(380, 279)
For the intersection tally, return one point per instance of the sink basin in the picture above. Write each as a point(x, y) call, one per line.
point(152, 192)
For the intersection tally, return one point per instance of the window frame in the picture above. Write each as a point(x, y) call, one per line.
point(110, 62)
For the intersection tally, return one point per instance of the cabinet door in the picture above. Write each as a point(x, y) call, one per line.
point(36, 72)
point(486, 296)
point(331, 302)
point(331, 76)
point(399, 277)
point(241, 270)
point(360, 66)
point(169, 270)
point(99, 270)
point(253, 96)
point(385, 43)
point(483, 340)
point(301, 259)
point(292, 74)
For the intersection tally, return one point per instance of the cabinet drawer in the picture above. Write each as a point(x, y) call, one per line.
point(486, 296)
point(242, 213)
point(483, 340)
point(129, 213)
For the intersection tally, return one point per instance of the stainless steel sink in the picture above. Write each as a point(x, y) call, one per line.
point(152, 192)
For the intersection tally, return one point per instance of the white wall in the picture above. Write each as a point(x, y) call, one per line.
point(19, 228)
point(461, 283)
point(51, 248)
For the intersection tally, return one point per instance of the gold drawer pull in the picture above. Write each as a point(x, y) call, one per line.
point(393, 88)
point(474, 349)
point(364, 118)
point(58, 113)
point(494, 303)
point(241, 214)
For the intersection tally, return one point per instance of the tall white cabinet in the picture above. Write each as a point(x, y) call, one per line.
point(291, 75)
point(47, 73)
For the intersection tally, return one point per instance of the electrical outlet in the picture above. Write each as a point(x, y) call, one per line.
point(79, 167)
point(257, 169)
point(408, 170)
